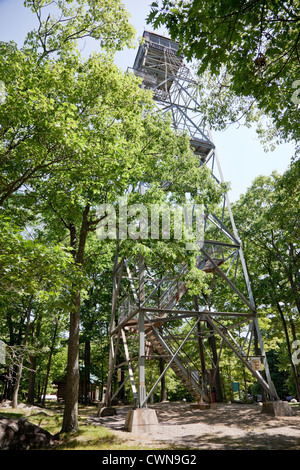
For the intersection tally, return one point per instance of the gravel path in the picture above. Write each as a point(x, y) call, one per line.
point(227, 427)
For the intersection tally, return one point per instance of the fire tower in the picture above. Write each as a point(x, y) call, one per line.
point(149, 319)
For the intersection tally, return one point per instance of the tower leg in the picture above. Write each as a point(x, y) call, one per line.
point(141, 329)
point(141, 366)
point(141, 419)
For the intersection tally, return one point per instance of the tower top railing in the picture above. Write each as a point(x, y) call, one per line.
point(158, 42)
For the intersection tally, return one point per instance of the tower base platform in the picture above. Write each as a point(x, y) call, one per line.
point(277, 408)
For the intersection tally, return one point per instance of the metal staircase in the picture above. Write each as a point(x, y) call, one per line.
point(178, 364)
point(174, 358)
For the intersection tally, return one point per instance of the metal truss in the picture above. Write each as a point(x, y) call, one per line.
point(151, 316)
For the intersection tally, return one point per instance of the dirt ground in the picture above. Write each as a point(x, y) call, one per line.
point(227, 427)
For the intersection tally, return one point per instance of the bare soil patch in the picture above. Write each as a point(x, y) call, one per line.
point(227, 427)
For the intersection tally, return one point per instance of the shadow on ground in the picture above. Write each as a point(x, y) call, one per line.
point(228, 427)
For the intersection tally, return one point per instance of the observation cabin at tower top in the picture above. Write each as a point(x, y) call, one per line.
point(158, 63)
point(162, 69)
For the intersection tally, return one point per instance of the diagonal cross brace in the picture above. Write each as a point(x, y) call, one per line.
point(176, 360)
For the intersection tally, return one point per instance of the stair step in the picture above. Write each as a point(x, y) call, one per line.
point(176, 291)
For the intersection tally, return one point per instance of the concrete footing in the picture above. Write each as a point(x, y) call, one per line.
point(141, 420)
point(277, 408)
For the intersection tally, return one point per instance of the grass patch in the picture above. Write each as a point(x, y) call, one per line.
point(11, 414)
point(88, 437)
point(93, 438)
point(51, 423)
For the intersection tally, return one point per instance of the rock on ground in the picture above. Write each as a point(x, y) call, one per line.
point(20, 434)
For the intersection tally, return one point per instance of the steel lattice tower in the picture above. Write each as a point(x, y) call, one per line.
point(145, 307)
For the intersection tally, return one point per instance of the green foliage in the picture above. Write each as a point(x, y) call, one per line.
point(272, 237)
point(196, 282)
point(60, 29)
point(29, 269)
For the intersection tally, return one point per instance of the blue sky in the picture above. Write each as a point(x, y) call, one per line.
point(241, 154)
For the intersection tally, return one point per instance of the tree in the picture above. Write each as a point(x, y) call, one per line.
point(39, 134)
point(250, 49)
point(95, 311)
point(34, 277)
point(82, 135)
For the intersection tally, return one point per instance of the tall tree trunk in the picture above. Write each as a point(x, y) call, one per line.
point(288, 343)
point(70, 419)
point(213, 345)
point(14, 402)
point(31, 379)
point(33, 360)
point(163, 390)
point(87, 366)
point(218, 384)
point(49, 361)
